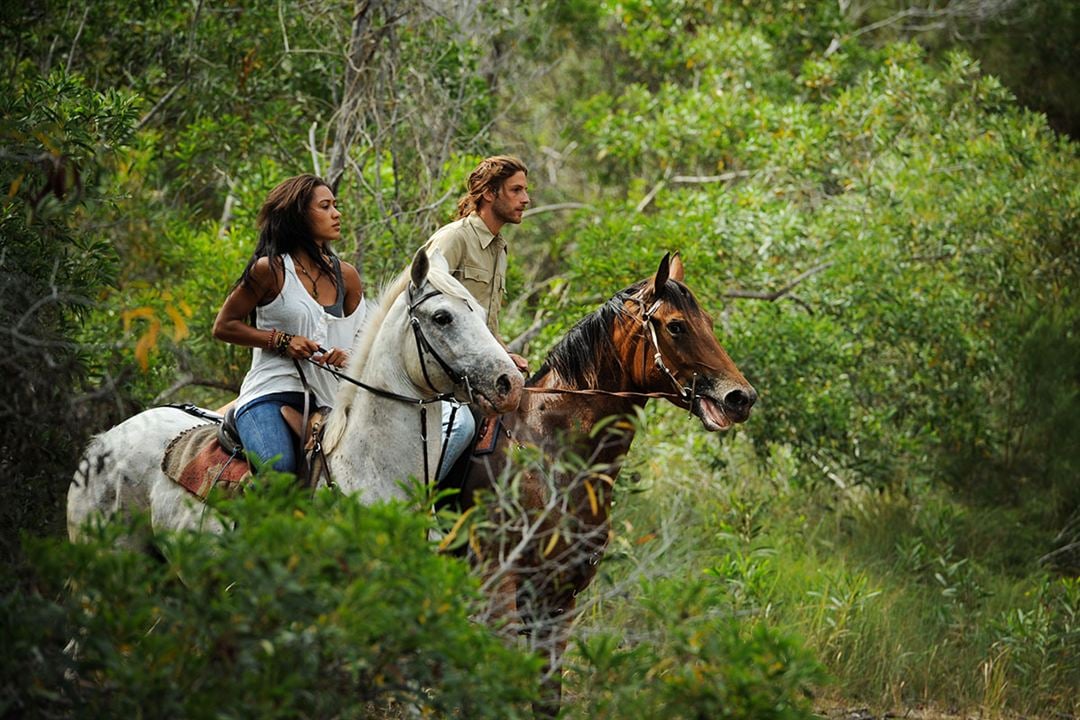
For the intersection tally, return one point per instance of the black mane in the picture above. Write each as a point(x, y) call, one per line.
point(586, 353)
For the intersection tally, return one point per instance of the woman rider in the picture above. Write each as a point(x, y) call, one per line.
point(294, 297)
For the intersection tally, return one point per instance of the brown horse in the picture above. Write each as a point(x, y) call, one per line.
point(650, 340)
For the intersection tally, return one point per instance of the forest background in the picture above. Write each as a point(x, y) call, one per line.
point(876, 200)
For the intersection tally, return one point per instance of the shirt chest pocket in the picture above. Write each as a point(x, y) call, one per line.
point(482, 283)
point(475, 274)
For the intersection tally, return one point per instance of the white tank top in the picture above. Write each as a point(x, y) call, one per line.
point(294, 311)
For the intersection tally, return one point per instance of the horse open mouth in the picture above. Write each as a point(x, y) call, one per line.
point(711, 414)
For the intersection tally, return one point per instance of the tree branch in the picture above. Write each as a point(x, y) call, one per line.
point(786, 290)
point(518, 344)
point(314, 151)
point(555, 207)
point(723, 177)
point(188, 380)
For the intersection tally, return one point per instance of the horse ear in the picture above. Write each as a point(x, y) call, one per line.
point(419, 269)
point(438, 260)
point(661, 277)
point(676, 267)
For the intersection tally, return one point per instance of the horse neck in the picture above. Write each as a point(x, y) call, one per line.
point(617, 366)
point(381, 441)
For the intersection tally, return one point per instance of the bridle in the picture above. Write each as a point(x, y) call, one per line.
point(687, 393)
point(424, 345)
point(648, 324)
point(424, 349)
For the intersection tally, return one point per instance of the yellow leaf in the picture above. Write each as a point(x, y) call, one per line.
point(646, 538)
point(474, 543)
point(147, 343)
point(180, 328)
point(445, 543)
point(15, 184)
point(145, 313)
point(551, 543)
point(593, 504)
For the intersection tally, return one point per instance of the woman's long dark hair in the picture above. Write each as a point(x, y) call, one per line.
point(284, 227)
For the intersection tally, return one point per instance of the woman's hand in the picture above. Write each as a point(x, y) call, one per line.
point(335, 356)
point(300, 348)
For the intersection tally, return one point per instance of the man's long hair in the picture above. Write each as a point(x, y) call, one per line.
point(490, 174)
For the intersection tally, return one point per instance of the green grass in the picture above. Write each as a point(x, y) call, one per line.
point(906, 596)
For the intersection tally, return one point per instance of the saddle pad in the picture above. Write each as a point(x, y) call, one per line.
point(195, 460)
point(488, 436)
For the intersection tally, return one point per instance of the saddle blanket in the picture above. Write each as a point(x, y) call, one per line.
point(487, 438)
point(196, 461)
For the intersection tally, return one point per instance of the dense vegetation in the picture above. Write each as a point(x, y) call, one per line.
point(885, 236)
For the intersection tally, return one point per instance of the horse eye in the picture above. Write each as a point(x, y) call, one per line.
point(675, 327)
point(443, 317)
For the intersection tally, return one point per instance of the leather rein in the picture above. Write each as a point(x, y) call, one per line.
point(424, 349)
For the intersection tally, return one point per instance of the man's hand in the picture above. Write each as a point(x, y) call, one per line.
point(522, 363)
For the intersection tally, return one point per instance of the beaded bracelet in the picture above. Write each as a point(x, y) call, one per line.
point(282, 343)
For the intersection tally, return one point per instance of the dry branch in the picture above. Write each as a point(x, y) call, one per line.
point(782, 292)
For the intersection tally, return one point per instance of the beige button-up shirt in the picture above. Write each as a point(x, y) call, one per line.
point(477, 259)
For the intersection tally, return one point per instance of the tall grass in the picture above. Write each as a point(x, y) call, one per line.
point(907, 595)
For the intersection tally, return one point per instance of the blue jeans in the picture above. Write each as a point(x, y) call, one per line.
point(265, 434)
point(461, 436)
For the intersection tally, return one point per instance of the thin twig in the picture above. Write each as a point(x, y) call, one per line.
point(314, 151)
point(192, 381)
point(723, 177)
point(647, 200)
point(78, 34)
point(777, 294)
point(556, 207)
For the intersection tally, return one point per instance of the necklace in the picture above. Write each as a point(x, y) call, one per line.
point(314, 280)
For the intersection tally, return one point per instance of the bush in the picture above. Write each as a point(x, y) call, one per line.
point(58, 137)
point(690, 656)
point(309, 608)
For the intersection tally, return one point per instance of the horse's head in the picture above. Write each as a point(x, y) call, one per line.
point(680, 352)
point(453, 349)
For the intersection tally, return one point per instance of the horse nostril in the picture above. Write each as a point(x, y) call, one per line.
point(740, 400)
point(503, 385)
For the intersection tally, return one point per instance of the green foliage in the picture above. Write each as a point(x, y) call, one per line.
point(1028, 45)
point(690, 657)
point(902, 596)
point(59, 137)
point(886, 239)
point(927, 214)
point(313, 608)
point(1037, 644)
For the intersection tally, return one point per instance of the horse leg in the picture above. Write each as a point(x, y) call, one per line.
point(550, 634)
point(501, 612)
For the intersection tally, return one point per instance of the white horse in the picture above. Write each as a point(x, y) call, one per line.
point(426, 338)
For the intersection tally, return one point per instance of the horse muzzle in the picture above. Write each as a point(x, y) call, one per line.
point(720, 411)
point(502, 396)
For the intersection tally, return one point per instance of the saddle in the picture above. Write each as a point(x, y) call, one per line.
point(487, 436)
point(211, 455)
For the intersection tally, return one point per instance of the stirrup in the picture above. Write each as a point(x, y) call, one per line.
point(228, 436)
